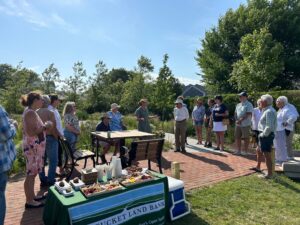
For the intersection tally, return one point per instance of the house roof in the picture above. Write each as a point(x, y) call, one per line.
point(193, 90)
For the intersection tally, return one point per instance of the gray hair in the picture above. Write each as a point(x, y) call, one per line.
point(282, 99)
point(258, 101)
point(46, 101)
point(268, 98)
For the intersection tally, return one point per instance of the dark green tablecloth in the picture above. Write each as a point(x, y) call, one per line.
point(143, 203)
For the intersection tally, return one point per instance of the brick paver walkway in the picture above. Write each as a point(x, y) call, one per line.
point(199, 167)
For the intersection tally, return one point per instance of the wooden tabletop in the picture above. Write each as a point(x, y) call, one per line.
point(121, 134)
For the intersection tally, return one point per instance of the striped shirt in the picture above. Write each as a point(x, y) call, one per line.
point(268, 121)
point(7, 147)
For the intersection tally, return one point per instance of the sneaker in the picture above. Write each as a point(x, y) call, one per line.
point(256, 169)
point(209, 145)
point(183, 150)
point(216, 148)
point(205, 144)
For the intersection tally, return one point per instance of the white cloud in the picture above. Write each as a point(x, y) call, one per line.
point(183, 80)
point(22, 9)
point(26, 11)
point(58, 20)
point(97, 34)
point(35, 68)
point(68, 2)
point(187, 81)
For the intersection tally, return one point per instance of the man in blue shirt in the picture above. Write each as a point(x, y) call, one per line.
point(7, 155)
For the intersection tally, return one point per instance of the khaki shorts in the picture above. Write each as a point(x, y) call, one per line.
point(242, 132)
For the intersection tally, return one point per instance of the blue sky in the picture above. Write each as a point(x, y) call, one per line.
point(118, 32)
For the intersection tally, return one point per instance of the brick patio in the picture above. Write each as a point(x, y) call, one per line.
point(197, 169)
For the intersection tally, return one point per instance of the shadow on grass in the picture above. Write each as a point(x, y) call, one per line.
point(223, 166)
point(280, 180)
point(190, 219)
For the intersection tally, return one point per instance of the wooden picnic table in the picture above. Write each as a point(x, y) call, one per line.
point(110, 136)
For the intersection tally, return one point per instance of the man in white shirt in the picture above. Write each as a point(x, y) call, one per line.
point(54, 103)
point(289, 117)
point(181, 115)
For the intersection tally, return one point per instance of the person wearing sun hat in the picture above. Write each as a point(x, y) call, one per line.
point(116, 117)
point(116, 123)
point(142, 115)
point(181, 115)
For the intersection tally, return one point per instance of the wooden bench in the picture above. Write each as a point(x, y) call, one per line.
point(70, 159)
point(150, 149)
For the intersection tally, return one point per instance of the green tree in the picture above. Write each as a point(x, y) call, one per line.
point(134, 90)
point(221, 45)
point(144, 65)
point(261, 62)
point(96, 98)
point(5, 71)
point(118, 74)
point(165, 91)
point(49, 76)
point(76, 84)
point(20, 81)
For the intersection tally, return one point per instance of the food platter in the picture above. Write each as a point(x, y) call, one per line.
point(100, 188)
point(136, 178)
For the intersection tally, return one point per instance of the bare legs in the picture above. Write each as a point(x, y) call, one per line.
point(29, 190)
point(220, 140)
point(198, 130)
point(268, 158)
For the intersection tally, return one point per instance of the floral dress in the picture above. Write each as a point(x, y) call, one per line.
point(33, 147)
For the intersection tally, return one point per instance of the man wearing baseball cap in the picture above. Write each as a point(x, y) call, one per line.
point(243, 115)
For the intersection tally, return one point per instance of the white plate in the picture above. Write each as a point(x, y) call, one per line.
point(59, 188)
point(66, 194)
point(78, 185)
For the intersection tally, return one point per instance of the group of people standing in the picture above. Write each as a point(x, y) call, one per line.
point(41, 128)
point(211, 117)
point(267, 127)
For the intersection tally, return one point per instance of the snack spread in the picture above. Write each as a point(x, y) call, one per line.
point(96, 189)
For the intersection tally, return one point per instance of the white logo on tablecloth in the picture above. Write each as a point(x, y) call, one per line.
point(132, 213)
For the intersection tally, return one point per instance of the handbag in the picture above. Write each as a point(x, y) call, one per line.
point(225, 121)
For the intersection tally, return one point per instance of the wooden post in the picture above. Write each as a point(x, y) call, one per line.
point(175, 167)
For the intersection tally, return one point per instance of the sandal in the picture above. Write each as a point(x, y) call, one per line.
point(256, 170)
point(30, 206)
point(41, 197)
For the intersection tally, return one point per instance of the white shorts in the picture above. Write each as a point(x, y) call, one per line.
point(219, 126)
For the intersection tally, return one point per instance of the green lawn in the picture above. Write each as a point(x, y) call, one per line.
point(245, 200)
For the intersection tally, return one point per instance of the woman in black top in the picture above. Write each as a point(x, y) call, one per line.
point(219, 113)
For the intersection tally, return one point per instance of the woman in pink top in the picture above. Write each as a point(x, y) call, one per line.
point(33, 145)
